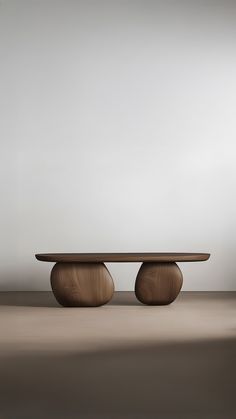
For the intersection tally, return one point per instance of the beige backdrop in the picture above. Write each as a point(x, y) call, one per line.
point(118, 134)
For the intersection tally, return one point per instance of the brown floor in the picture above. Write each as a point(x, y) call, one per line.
point(122, 360)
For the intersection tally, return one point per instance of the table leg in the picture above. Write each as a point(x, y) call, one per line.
point(81, 284)
point(158, 283)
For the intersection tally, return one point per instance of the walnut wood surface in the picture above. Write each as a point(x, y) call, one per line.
point(81, 284)
point(122, 257)
point(158, 283)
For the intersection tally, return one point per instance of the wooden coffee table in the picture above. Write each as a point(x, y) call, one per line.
point(83, 280)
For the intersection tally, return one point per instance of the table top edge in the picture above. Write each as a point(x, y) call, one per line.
point(123, 257)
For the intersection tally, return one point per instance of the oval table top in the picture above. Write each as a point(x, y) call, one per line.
point(122, 257)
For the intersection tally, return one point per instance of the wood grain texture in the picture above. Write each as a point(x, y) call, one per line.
point(158, 283)
point(122, 257)
point(81, 284)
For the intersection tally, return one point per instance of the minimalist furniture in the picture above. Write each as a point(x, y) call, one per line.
point(82, 279)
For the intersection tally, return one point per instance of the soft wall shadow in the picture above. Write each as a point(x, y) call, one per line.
point(120, 298)
point(47, 299)
point(28, 299)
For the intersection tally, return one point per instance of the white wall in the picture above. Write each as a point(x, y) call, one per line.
point(118, 130)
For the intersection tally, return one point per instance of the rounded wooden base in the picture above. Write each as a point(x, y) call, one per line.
point(158, 283)
point(81, 284)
